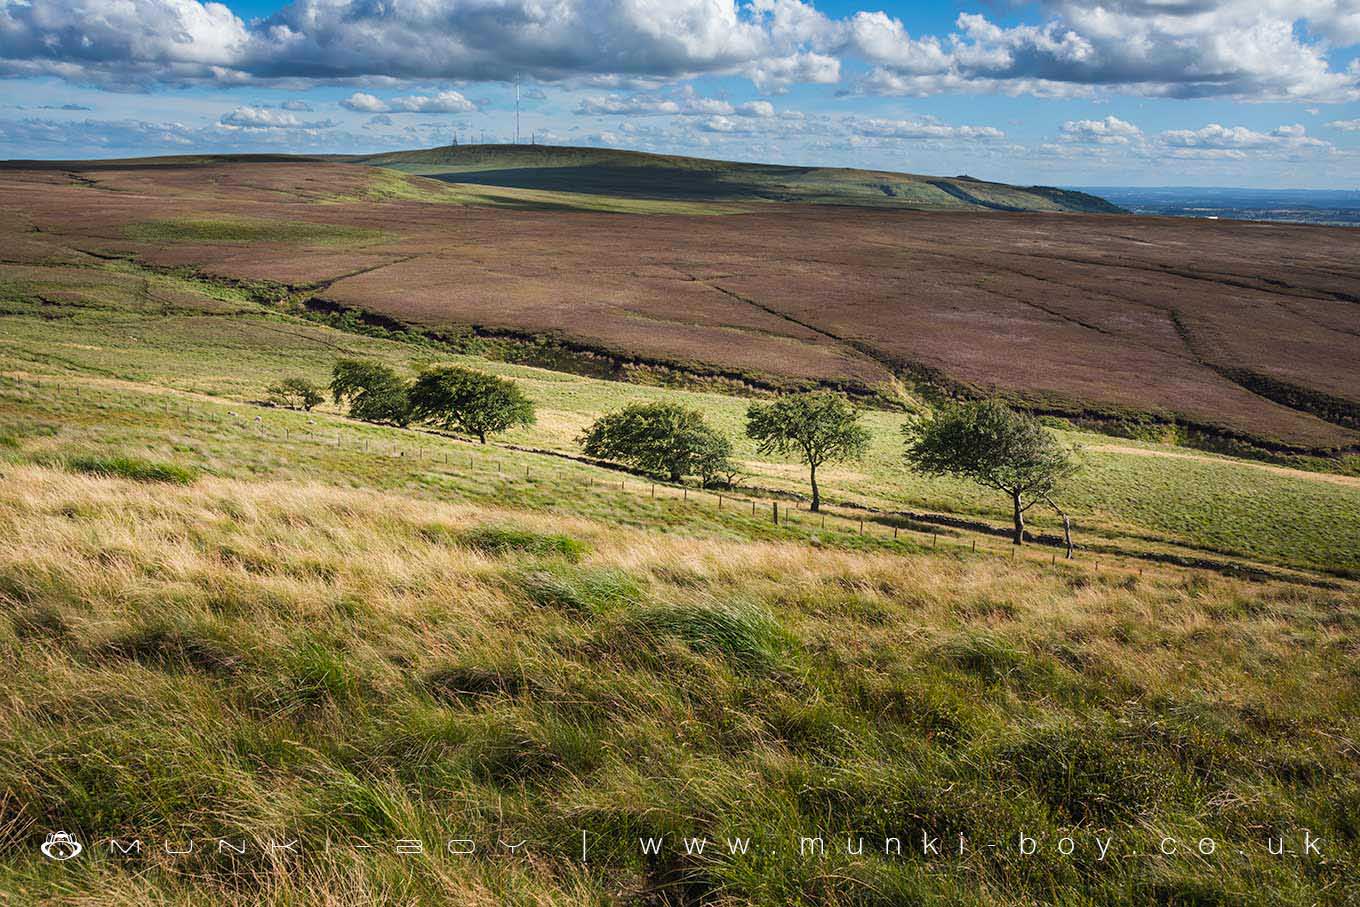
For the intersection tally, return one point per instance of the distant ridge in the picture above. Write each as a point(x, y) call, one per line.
point(637, 174)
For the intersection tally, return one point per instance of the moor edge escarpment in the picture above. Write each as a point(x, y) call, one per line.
point(635, 174)
point(1245, 330)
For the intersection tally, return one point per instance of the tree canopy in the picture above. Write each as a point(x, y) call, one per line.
point(996, 447)
point(294, 393)
point(818, 427)
point(466, 400)
point(663, 439)
point(374, 391)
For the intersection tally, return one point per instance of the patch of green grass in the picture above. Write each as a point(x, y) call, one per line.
point(133, 468)
point(504, 540)
point(748, 636)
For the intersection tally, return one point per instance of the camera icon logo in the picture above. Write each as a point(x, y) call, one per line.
point(61, 846)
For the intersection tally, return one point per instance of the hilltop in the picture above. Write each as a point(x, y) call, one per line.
point(636, 174)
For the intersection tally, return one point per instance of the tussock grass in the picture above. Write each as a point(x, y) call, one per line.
point(133, 468)
point(240, 657)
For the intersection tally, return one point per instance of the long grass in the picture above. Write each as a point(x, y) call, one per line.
point(238, 657)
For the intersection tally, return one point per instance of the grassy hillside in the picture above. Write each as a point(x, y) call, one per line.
point(223, 620)
point(633, 174)
point(115, 333)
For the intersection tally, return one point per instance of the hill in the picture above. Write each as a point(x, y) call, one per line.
point(635, 174)
point(220, 620)
point(1213, 332)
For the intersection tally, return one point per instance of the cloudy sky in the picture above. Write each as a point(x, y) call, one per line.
point(1075, 92)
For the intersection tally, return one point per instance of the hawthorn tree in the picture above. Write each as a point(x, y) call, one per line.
point(663, 439)
point(998, 448)
point(818, 427)
point(466, 400)
point(294, 393)
point(373, 391)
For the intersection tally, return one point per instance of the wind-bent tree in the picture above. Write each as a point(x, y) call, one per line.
point(818, 427)
point(469, 401)
point(374, 392)
point(294, 393)
point(998, 448)
point(663, 439)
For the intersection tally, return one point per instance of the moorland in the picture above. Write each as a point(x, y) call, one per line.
point(220, 618)
point(1126, 321)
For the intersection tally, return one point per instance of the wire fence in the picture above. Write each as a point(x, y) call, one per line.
point(449, 454)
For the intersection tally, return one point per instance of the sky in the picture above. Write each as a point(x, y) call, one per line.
point(1252, 93)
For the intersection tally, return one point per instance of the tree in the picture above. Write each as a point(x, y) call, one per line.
point(294, 393)
point(373, 391)
point(998, 448)
point(470, 401)
point(663, 439)
point(818, 427)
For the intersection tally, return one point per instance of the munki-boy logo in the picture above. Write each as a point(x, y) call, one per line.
point(61, 845)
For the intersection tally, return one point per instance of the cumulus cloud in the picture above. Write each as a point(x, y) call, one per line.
point(443, 102)
point(1253, 49)
point(297, 104)
point(267, 118)
point(1345, 125)
point(1216, 140)
point(1109, 131)
point(132, 41)
point(684, 103)
point(1113, 137)
point(923, 128)
point(90, 137)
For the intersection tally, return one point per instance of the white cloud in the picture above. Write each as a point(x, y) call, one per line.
point(266, 118)
point(761, 109)
point(1345, 125)
point(684, 103)
point(1240, 138)
point(1109, 131)
point(1249, 49)
point(443, 102)
point(923, 128)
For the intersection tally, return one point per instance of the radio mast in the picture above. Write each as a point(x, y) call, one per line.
point(516, 108)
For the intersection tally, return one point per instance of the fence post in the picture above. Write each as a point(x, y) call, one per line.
point(775, 506)
point(684, 494)
point(861, 525)
point(720, 502)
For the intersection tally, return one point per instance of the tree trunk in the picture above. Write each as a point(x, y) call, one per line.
point(481, 435)
point(1019, 538)
point(816, 494)
point(675, 475)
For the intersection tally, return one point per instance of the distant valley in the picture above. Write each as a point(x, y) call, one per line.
point(1332, 207)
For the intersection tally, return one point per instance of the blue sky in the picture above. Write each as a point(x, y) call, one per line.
point(1098, 92)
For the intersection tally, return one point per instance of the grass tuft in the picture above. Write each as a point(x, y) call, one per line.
point(745, 635)
point(133, 468)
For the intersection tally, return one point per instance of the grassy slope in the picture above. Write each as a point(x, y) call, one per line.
point(337, 641)
point(631, 174)
point(128, 331)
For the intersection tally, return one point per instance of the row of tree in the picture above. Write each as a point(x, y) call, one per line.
point(984, 441)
